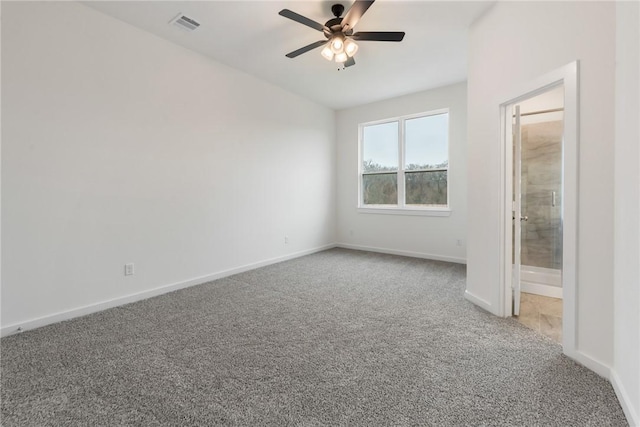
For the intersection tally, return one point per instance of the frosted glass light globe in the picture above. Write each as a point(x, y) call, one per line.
point(337, 45)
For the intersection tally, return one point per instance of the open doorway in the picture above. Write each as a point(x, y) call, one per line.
point(537, 191)
point(524, 108)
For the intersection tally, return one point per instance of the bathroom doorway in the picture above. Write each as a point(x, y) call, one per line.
point(525, 108)
point(537, 124)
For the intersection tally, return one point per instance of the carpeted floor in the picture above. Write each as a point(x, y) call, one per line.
point(336, 338)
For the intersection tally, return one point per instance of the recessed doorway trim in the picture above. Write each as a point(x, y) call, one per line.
point(567, 76)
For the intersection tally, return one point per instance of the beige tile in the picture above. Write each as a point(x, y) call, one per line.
point(528, 305)
point(546, 305)
point(530, 320)
point(551, 326)
point(542, 314)
point(550, 322)
point(551, 307)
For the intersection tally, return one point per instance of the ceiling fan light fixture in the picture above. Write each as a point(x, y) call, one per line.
point(337, 44)
point(350, 47)
point(341, 57)
point(327, 53)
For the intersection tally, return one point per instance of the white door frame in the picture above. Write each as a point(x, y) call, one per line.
point(568, 77)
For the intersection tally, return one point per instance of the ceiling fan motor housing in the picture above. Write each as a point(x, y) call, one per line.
point(335, 25)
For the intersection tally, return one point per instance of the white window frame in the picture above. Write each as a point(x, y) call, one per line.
point(402, 208)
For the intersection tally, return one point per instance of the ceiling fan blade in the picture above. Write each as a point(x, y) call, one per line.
point(357, 9)
point(349, 62)
point(302, 20)
point(380, 36)
point(307, 48)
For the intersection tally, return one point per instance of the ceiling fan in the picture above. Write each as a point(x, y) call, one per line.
point(340, 45)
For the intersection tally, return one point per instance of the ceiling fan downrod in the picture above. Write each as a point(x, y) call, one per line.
point(334, 24)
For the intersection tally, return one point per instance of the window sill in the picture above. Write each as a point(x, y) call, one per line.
point(406, 211)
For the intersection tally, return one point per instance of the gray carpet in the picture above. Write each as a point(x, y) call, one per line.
point(336, 338)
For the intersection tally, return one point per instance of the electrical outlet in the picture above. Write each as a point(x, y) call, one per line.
point(350, 233)
point(286, 239)
point(129, 269)
point(459, 242)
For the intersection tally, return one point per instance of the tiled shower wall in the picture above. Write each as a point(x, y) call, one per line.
point(541, 177)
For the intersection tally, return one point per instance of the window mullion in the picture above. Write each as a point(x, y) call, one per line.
point(401, 155)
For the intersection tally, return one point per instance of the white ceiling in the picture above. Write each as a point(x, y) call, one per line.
point(252, 37)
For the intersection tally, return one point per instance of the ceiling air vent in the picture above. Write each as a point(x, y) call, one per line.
point(184, 22)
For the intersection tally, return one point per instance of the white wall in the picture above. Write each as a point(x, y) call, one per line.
point(421, 236)
point(120, 147)
point(627, 211)
point(511, 45)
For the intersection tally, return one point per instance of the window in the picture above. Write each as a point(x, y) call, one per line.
point(404, 163)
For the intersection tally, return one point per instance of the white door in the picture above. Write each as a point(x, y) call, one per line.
point(517, 209)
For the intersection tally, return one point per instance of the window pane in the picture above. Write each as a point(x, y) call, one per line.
point(426, 142)
point(426, 188)
point(380, 189)
point(380, 147)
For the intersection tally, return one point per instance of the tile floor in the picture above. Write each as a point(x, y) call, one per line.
point(543, 314)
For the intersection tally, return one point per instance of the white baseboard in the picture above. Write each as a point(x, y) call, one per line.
point(482, 303)
point(402, 253)
point(540, 289)
point(590, 363)
point(103, 305)
point(610, 374)
point(623, 397)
